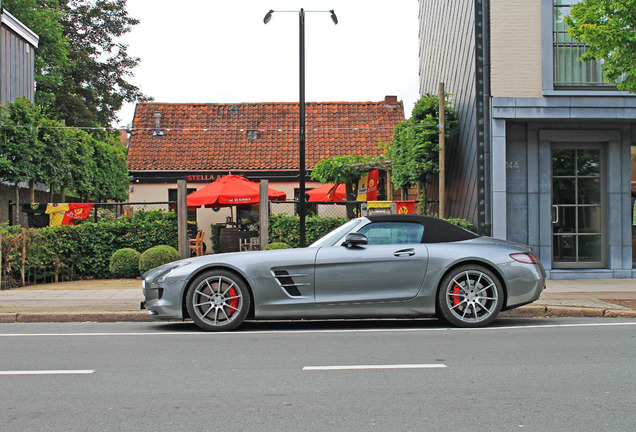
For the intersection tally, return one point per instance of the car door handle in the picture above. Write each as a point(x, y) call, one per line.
point(404, 252)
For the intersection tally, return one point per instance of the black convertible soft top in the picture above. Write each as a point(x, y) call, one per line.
point(435, 230)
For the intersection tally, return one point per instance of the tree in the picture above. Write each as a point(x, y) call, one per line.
point(339, 169)
point(34, 148)
point(20, 146)
point(51, 57)
point(57, 148)
point(95, 85)
point(608, 27)
point(80, 157)
point(81, 70)
point(415, 150)
point(111, 173)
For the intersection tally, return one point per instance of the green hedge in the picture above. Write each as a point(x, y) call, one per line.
point(273, 246)
point(285, 229)
point(70, 252)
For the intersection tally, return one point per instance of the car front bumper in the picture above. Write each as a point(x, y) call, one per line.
point(163, 301)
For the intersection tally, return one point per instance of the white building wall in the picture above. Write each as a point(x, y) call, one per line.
point(515, 32)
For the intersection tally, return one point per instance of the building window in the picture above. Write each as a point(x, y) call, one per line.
point(569, 72)
point(172, 196)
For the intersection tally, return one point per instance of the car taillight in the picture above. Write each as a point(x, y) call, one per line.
point(524, 257)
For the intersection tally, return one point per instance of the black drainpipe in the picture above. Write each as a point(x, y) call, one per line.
point(482, 98)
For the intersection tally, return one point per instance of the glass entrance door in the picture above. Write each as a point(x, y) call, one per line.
point(578, 229)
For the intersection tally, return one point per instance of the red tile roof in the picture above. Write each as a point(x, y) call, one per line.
point(256, 136)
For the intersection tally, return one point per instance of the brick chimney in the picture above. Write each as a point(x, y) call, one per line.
point(390, 101)
point(123, 136)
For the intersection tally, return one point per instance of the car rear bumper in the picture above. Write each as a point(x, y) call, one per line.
point(525, 283)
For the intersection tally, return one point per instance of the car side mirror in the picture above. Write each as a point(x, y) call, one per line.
point(355, 239)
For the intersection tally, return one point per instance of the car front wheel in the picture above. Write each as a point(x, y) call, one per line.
point(470, 296)
point(218, 301)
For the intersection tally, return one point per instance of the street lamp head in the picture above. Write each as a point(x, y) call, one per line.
point(334, 18)
point(268, 17)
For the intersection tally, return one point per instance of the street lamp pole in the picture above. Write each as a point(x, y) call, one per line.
point(301, 113)
point(301, 129)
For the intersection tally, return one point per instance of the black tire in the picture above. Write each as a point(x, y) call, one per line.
point(470, 296)
point(218, 301)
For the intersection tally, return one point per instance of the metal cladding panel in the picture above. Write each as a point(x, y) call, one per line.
point(447, 54)
point(16, 67)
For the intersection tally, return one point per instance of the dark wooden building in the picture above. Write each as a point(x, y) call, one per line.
point(17, 56)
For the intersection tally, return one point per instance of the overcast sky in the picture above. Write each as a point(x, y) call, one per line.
point(220, 51)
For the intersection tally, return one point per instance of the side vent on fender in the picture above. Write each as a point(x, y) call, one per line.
point(286, 282)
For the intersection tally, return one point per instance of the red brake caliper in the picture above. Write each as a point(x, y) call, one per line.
point(455, 295)
point(233, 302)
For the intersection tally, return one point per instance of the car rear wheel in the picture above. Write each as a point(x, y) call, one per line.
point(218, 301)
point(470, 296)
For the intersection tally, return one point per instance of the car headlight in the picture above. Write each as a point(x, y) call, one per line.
point(161, 277)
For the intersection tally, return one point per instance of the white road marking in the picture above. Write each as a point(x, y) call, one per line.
point(48, 372)
point(370, 367)
point(391, 330)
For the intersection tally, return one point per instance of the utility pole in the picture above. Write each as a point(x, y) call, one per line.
point(442, 153)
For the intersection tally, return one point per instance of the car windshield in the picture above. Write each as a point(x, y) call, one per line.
point(331, 238)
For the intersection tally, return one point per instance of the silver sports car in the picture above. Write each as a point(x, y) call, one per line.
point(370, 267)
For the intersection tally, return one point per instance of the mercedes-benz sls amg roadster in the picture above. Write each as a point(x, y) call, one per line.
point(380, 266)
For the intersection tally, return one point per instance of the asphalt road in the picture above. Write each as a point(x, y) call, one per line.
point(531, 375)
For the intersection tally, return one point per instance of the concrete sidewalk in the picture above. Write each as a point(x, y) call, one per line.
point(119, 299)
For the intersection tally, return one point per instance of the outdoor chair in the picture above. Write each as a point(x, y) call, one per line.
point(196, 244)
point(244, 244)
point(255, 243)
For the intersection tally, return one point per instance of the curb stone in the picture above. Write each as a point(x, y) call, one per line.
point(525, 312)
point(574, 312)
point(6, 318)
point(75, 317)
point(619, 314)
point(530, 311)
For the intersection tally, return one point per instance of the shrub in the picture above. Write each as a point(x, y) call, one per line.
point(156, 256)
point(215, 232)
point(278, 245)
point(285, 229)
point(125, 263)
point(462, 223)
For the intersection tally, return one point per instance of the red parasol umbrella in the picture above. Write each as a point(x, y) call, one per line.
point(328, 192)
point(230, 190)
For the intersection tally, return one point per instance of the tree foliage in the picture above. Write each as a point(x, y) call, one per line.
point(20, 146)
point(345, 169)
point(608, 27)
point(44, 17)
point(36, 148)
point(339, 169)
point(95, 86)
point(111, 173)
point(415, 150)
point(81, 69)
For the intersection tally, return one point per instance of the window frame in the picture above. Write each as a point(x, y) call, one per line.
point(548, 58)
